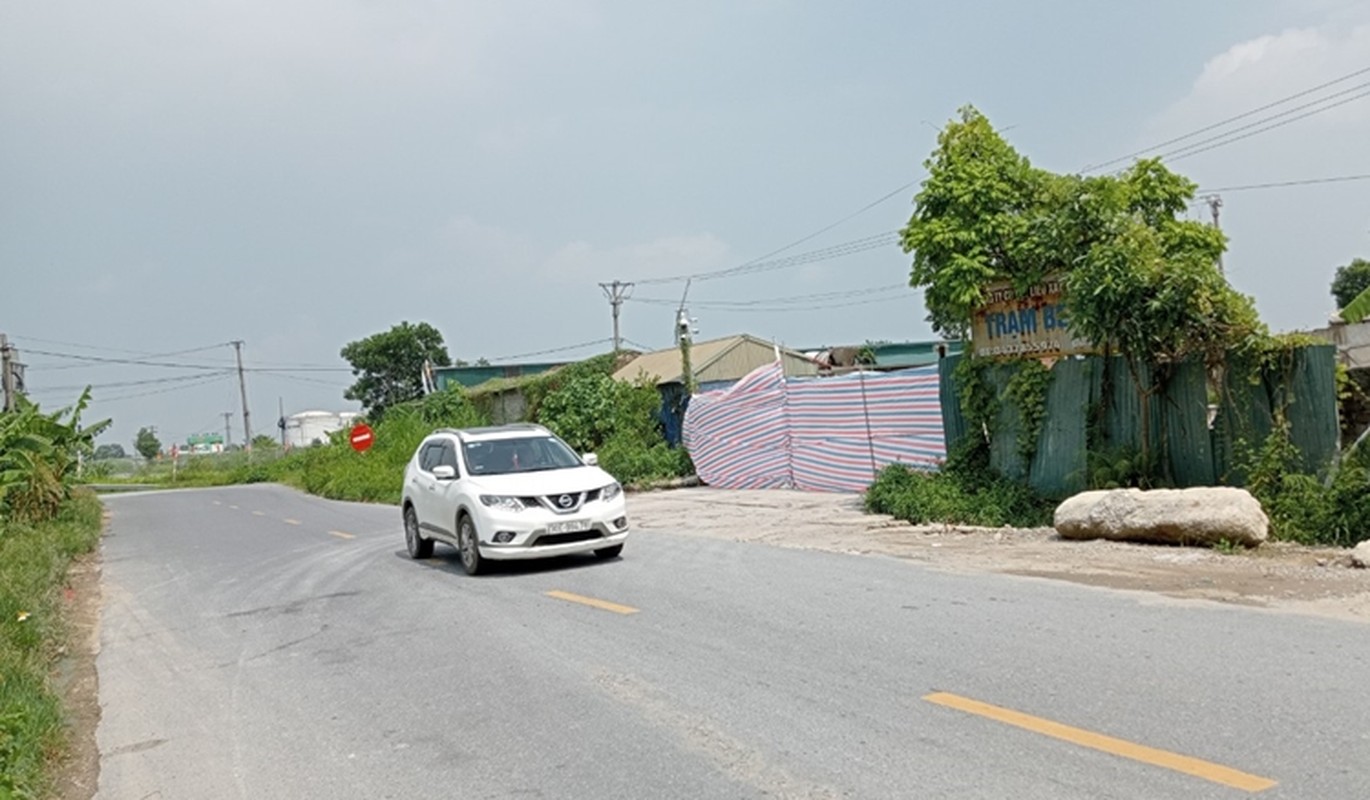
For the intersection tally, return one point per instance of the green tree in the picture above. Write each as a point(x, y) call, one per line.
point(262, 441)
point(108, 451)
point(1140, 280)
point(389, 365)
point(147, 443)
point(1350, 282)
point(975, 221)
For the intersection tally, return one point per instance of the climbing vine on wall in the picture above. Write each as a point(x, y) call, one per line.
point(1028, 391)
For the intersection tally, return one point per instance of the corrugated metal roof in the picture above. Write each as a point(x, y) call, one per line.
point(472, 375)
point(726, 359)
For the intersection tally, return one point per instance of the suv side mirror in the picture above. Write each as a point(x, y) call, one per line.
point(590, 459)
point(444, 472)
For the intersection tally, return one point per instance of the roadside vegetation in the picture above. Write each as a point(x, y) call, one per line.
point(45, 523)
point(1141, 282)
point(581, 403)
point(964, 492)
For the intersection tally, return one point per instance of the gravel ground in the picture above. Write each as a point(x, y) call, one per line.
point(1277, 576)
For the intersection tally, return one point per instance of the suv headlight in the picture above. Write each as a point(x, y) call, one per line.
point(611, 491)
point(502, 502)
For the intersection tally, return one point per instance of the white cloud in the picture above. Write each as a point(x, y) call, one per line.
point(1260, 71)
point(1285, 243)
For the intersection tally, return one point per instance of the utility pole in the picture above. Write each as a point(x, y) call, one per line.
point(228, 429)
point(280, 421)
point(7, 372)
point(242, 388)
point(1214, 203)
point(617, 292)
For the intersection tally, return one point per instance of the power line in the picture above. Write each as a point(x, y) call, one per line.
point(134, 361)
point(1281, 184)
point(1223, 122)
point(747, 267)
point(774, 301)
point(1184, 154)
point(182, 387)
point(127, 384)
point(172, 365)
point(301, 379)
point(872, 242)
point(1226, 138)
point(101, 360)
point(565, 349)
point(816, 307)
point(141, 353)
point(775, 309)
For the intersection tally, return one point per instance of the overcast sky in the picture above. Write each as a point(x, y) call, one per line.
point(296, 175)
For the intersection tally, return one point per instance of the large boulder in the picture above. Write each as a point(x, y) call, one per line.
point(1360, 555)
point(1201, 516)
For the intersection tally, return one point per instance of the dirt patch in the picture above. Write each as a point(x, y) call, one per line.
point(1276, 576)
point(76, 680)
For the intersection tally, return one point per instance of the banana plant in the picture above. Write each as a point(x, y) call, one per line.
point(1358, 309)
point(38, 457)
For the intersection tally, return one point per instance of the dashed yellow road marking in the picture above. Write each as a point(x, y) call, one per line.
point(1107, 744)
point(217, 503)
point(591, 601)
point(292, 522)
point(235, 508)
point(342, 534)
point(259, 513)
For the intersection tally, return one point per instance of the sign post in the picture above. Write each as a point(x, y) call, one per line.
point(361, 437)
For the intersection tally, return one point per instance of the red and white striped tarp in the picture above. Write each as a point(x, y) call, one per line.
point(821, 434)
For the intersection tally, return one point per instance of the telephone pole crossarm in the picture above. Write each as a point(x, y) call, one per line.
point(617, 292)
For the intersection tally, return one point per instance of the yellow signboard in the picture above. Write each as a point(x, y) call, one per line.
point(1034, 326)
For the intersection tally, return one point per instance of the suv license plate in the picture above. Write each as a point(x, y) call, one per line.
point(572, 526)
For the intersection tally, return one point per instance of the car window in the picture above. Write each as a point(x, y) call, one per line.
point(523, 454)
point(447, 456)
point(428, 456)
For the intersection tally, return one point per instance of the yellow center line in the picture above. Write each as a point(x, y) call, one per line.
point(259, 513)
point(342, 534)
point(235, 508)
point(292, 522)
point(1107, 744)
point(591, 601)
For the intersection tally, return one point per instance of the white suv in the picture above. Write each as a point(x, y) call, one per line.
point(509, 492)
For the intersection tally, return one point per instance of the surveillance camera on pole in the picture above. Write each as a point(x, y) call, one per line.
point(683, 325)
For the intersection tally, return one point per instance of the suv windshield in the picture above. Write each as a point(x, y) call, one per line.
point(524, 454)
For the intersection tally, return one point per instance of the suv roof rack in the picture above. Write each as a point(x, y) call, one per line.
point(513, 426)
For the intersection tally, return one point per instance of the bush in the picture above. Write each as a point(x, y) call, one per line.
point(1307, 510)
point(632, 464)
point(618, 421)
point(965, 492)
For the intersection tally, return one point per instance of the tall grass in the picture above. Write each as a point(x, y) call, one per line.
point(34, 558)
point(580, 403)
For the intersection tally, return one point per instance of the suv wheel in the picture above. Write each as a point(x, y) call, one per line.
point(418, 546)
point(469, 544)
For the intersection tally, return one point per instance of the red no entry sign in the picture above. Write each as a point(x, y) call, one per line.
point(361, 437)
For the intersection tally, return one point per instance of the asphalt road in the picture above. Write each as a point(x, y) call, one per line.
point(259, 643)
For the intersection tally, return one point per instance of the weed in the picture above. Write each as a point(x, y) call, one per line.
point(33, 565)
point(965, 492)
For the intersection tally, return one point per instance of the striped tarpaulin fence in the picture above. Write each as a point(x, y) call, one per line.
point(820, 434)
